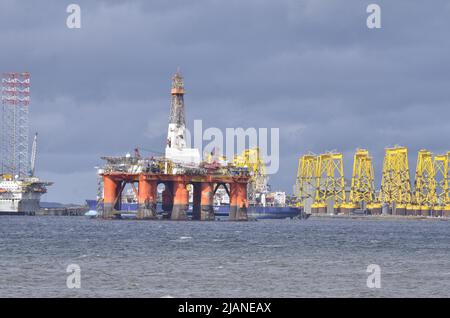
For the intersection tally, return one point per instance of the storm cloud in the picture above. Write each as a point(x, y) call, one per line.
point(310, 67)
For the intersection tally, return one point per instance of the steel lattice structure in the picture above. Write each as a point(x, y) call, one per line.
point(177, 112)
point(425, 182)
point(395, 183)
point(251, 159)
point(306, 177)
point(363, 186)
point(442, 171)
point(330, 183)
point(14, 141)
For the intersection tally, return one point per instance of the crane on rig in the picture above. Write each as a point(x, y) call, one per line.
point(33, 156)
point(252, 160)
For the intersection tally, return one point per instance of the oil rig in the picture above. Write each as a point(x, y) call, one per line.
point(322, 189)
point(20, 189)
point(178, 171)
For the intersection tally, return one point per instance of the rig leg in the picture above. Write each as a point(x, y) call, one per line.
point(238, 202)
point(111, 187)
point(233, 202)
point(180, 201)
point(196, 206)
point(207, 195)
point(167, 198)
point(147, 198)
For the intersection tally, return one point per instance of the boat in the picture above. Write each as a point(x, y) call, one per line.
point(129, 209)
point(92, 214)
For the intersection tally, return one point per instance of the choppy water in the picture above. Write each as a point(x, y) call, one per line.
point(273, 258)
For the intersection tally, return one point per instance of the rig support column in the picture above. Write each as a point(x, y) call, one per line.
point(196, 201)
point(180, 201)
point(146, 198)
point(238, 202)
point(167, 198)
point(111, 187)
point(233, 202)
point(207, 195)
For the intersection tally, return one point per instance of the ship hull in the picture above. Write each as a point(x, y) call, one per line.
point(21, 197)
point(220, 211)
point(12, 213)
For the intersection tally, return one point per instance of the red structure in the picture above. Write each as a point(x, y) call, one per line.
point(175, 197)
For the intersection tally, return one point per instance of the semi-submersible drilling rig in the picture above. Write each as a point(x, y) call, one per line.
point(180, 169)
point(196, 188)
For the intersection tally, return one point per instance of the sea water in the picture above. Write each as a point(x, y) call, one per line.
point(271, 258)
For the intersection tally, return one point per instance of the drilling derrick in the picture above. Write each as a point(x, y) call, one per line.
point(330, 183)
point(425, 184)
point(306, 180)
point(176, 136)
point(176, 148)
point(14, 143)
point(251, 159)
point(395, 184)
point(442, 177)
point(362, 191)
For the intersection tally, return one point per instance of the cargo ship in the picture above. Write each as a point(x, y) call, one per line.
point(129, 209)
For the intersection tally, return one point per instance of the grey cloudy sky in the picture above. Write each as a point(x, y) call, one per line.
point(310, 67)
